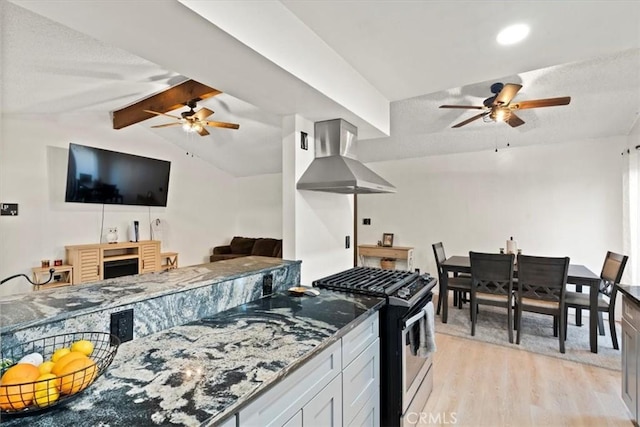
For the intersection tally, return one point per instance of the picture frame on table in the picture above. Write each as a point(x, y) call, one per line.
point(387, 239)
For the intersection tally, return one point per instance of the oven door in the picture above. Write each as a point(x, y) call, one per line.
point(414, 368)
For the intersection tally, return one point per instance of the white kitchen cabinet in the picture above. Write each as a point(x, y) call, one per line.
point(338, 387)
point(630, 355)
point(295, 421)
point(278, 405)
point(230, 422)
point(361, 381)
point(325, 409)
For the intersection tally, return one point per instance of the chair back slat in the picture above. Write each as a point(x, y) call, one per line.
point(542, 278)
point(612, 271)
point(492, 273)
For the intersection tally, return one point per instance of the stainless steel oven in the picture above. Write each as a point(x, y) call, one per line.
point(417, 380)
point(405, 379)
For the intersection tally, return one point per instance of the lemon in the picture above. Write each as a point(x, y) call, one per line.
point(83, 346)
point(47, 396)
point(46, 367)
point(42, 384)
point(59, 353)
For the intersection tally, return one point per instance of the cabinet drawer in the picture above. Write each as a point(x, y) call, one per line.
point(354, 342)
point(361, 381)
point(631, 312)
point(369, 415)
point(280, 404)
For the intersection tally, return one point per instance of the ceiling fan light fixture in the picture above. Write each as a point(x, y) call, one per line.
point(513, 34)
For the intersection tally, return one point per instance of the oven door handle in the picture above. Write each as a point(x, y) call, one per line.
point(414, 319)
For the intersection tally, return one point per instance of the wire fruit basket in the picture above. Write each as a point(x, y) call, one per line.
point(25, 398)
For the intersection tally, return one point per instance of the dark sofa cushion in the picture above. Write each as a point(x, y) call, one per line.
point(222, 257)
point(242, 245)
point(264, 247)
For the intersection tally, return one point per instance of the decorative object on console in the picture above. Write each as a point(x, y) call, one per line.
point(134, 232)
point(246, 246)
point(387, 239)
point(512, 246)
point(112, 235)
point(57, 262)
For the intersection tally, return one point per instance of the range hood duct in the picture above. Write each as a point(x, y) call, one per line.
point(336, 168)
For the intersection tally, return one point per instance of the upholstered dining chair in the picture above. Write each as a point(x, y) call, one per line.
point(460, 285)
point(492, 284)
point(610, 275)
point(541, 289)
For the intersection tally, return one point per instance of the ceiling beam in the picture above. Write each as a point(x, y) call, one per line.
point(161, 102)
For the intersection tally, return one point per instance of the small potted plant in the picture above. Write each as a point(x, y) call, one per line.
point(388, 263)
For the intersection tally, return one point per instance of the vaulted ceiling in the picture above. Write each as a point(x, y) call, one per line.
point(68, 58)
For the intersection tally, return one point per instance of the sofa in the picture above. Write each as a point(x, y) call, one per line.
point(245, 246)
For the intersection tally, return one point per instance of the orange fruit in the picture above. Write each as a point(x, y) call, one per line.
point(60, 364)
point(17, 387)
point(22, 373)
point(77, 375)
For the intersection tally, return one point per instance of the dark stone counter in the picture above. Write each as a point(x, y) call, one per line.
point(630, 291)
point(202, 372)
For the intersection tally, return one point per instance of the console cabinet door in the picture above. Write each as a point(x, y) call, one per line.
point(325, 409)
point(86, 265)
point(149, 257)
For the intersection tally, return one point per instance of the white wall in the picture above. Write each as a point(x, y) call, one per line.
point(258, 211)
point(555, 200)
point(315, 223)
point(200, 211)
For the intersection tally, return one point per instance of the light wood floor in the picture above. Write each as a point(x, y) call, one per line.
point(480, 384)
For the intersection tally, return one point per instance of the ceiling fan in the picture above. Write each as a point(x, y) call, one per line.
point(194, 121)
point(498, 108)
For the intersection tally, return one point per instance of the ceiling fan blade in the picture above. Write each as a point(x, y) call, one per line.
point(537, 103)
point(167, 125)
point(202, 131)
point(506, 94)
point(466, 107)
point(222, 125)
point(162, 114)
point(202, 113)
point(476, 117)
point(514, 121)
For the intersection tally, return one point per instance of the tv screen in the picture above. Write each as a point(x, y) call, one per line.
point(102, 176)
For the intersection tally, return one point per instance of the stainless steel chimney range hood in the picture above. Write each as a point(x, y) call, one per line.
point(336, 168)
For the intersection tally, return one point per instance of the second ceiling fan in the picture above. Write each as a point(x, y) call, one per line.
point(194, 121)
point(499, 107)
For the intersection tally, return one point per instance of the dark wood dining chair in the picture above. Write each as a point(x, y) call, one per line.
point(460, 285)
point(610, 275)
point(492, 284)
point(541, 289)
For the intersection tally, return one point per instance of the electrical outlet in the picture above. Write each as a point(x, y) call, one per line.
point(122, 324)
point(267, 284)
point(347, 242)
point(366, 221)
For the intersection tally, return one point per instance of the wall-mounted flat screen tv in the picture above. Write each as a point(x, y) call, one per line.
point(102, 176)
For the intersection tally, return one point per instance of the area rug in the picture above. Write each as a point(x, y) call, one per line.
point(536, 336)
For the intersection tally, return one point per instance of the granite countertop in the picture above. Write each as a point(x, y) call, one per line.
point(46, 305)
point(201, 372)
point(631, 291)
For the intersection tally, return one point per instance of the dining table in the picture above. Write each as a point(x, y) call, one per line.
point(578, 275)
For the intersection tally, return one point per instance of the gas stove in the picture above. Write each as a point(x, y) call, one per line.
point(401, 288)
point(406, 380)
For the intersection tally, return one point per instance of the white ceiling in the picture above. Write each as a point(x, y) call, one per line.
point(417, 54)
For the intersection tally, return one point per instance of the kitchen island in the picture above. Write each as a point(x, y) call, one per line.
point(208, 370)
point(207, 343)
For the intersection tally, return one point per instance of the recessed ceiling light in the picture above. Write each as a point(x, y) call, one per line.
point(513, 34)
